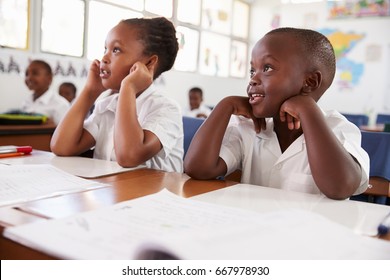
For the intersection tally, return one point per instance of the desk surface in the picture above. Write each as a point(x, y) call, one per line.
point(123, 186)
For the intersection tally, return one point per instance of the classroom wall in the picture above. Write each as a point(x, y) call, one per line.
point(370, 95)
point(174, 83)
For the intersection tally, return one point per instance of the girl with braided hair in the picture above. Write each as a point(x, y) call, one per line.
point(137, 125)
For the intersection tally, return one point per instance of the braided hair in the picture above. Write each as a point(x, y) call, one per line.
point(158, 35)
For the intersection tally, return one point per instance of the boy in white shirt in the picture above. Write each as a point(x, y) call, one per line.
point(196, 109)
point(287, 141)
point(38, 79)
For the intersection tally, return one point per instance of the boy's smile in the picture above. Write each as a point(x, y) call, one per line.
point(254, 96)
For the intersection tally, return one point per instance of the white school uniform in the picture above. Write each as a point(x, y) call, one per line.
point(262, 163)
point(50, 104)
point(156, 113)
point(203, 109)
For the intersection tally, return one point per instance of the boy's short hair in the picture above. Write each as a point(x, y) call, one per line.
point(318, 50)
point(70, 85)
point(44, 64)
point(196, 89)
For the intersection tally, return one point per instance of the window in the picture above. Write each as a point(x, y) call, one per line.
point(133, 4)
point(14, 23)
point(61, 32)
point(189, 11)
point(98, 28)
point(212, 34)
point(214, 54)
point(216, 15)
point(159, 7)
point(186, 59)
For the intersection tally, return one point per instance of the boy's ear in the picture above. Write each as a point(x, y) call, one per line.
point(313, 82)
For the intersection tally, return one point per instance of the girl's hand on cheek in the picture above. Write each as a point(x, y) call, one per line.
point(94, 82)
point(139, 78)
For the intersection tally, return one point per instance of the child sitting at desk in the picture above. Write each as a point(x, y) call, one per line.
point(68, 91)
point(136, 125)
point(43, 101)
point(196, 109)
point(290, 143)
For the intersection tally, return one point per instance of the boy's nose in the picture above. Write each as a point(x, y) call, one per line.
point(253, 82)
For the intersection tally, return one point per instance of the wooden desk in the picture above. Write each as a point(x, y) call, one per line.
point(38, 135)
point(124, 186)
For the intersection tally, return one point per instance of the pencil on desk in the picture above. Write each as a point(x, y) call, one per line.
point(12, 155)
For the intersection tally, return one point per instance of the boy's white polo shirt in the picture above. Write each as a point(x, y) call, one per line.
point(261, 161)
point(156, 113)
point(50, 104)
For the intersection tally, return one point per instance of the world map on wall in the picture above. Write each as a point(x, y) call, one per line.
point(349, 72)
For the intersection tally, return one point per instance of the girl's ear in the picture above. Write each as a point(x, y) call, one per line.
point(312, 82)
point(152, 62)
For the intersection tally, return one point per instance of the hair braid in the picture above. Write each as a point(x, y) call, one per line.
point(159, 37)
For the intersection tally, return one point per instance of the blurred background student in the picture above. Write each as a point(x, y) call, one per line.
point(43, 100)
point(68, 91)
point(196, 107)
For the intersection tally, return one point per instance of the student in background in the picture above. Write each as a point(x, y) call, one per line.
point(38, 79)
point(136, 124)
point(285, 140)
point(68, 91)
point(196, 109)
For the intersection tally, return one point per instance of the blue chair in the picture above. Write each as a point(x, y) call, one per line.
point(357, 119)
point(190, 126)
point(382, 118)
point(377, 145)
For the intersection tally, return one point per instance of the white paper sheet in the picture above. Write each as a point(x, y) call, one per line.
point(21, 183)
point(191, 229)
point(79, 166)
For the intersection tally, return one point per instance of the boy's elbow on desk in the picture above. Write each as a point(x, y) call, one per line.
point(126, 161)
point(198, 173)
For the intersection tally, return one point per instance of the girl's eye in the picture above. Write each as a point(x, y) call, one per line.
point(251, 73)
point(116, 50)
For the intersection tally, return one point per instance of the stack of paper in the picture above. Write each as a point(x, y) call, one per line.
point(164, 224)
point(21, 183)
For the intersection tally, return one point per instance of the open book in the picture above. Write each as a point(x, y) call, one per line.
point(167, 226)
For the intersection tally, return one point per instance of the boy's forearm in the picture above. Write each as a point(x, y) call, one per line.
point(334, 170)
point(202, 159)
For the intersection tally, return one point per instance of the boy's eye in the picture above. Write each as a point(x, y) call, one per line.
point(267, 68)
point(251, 73)
point(116, 50)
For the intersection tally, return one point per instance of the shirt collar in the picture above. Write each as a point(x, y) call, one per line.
point(269, 132)
point(44, 98)
point(113, 99)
